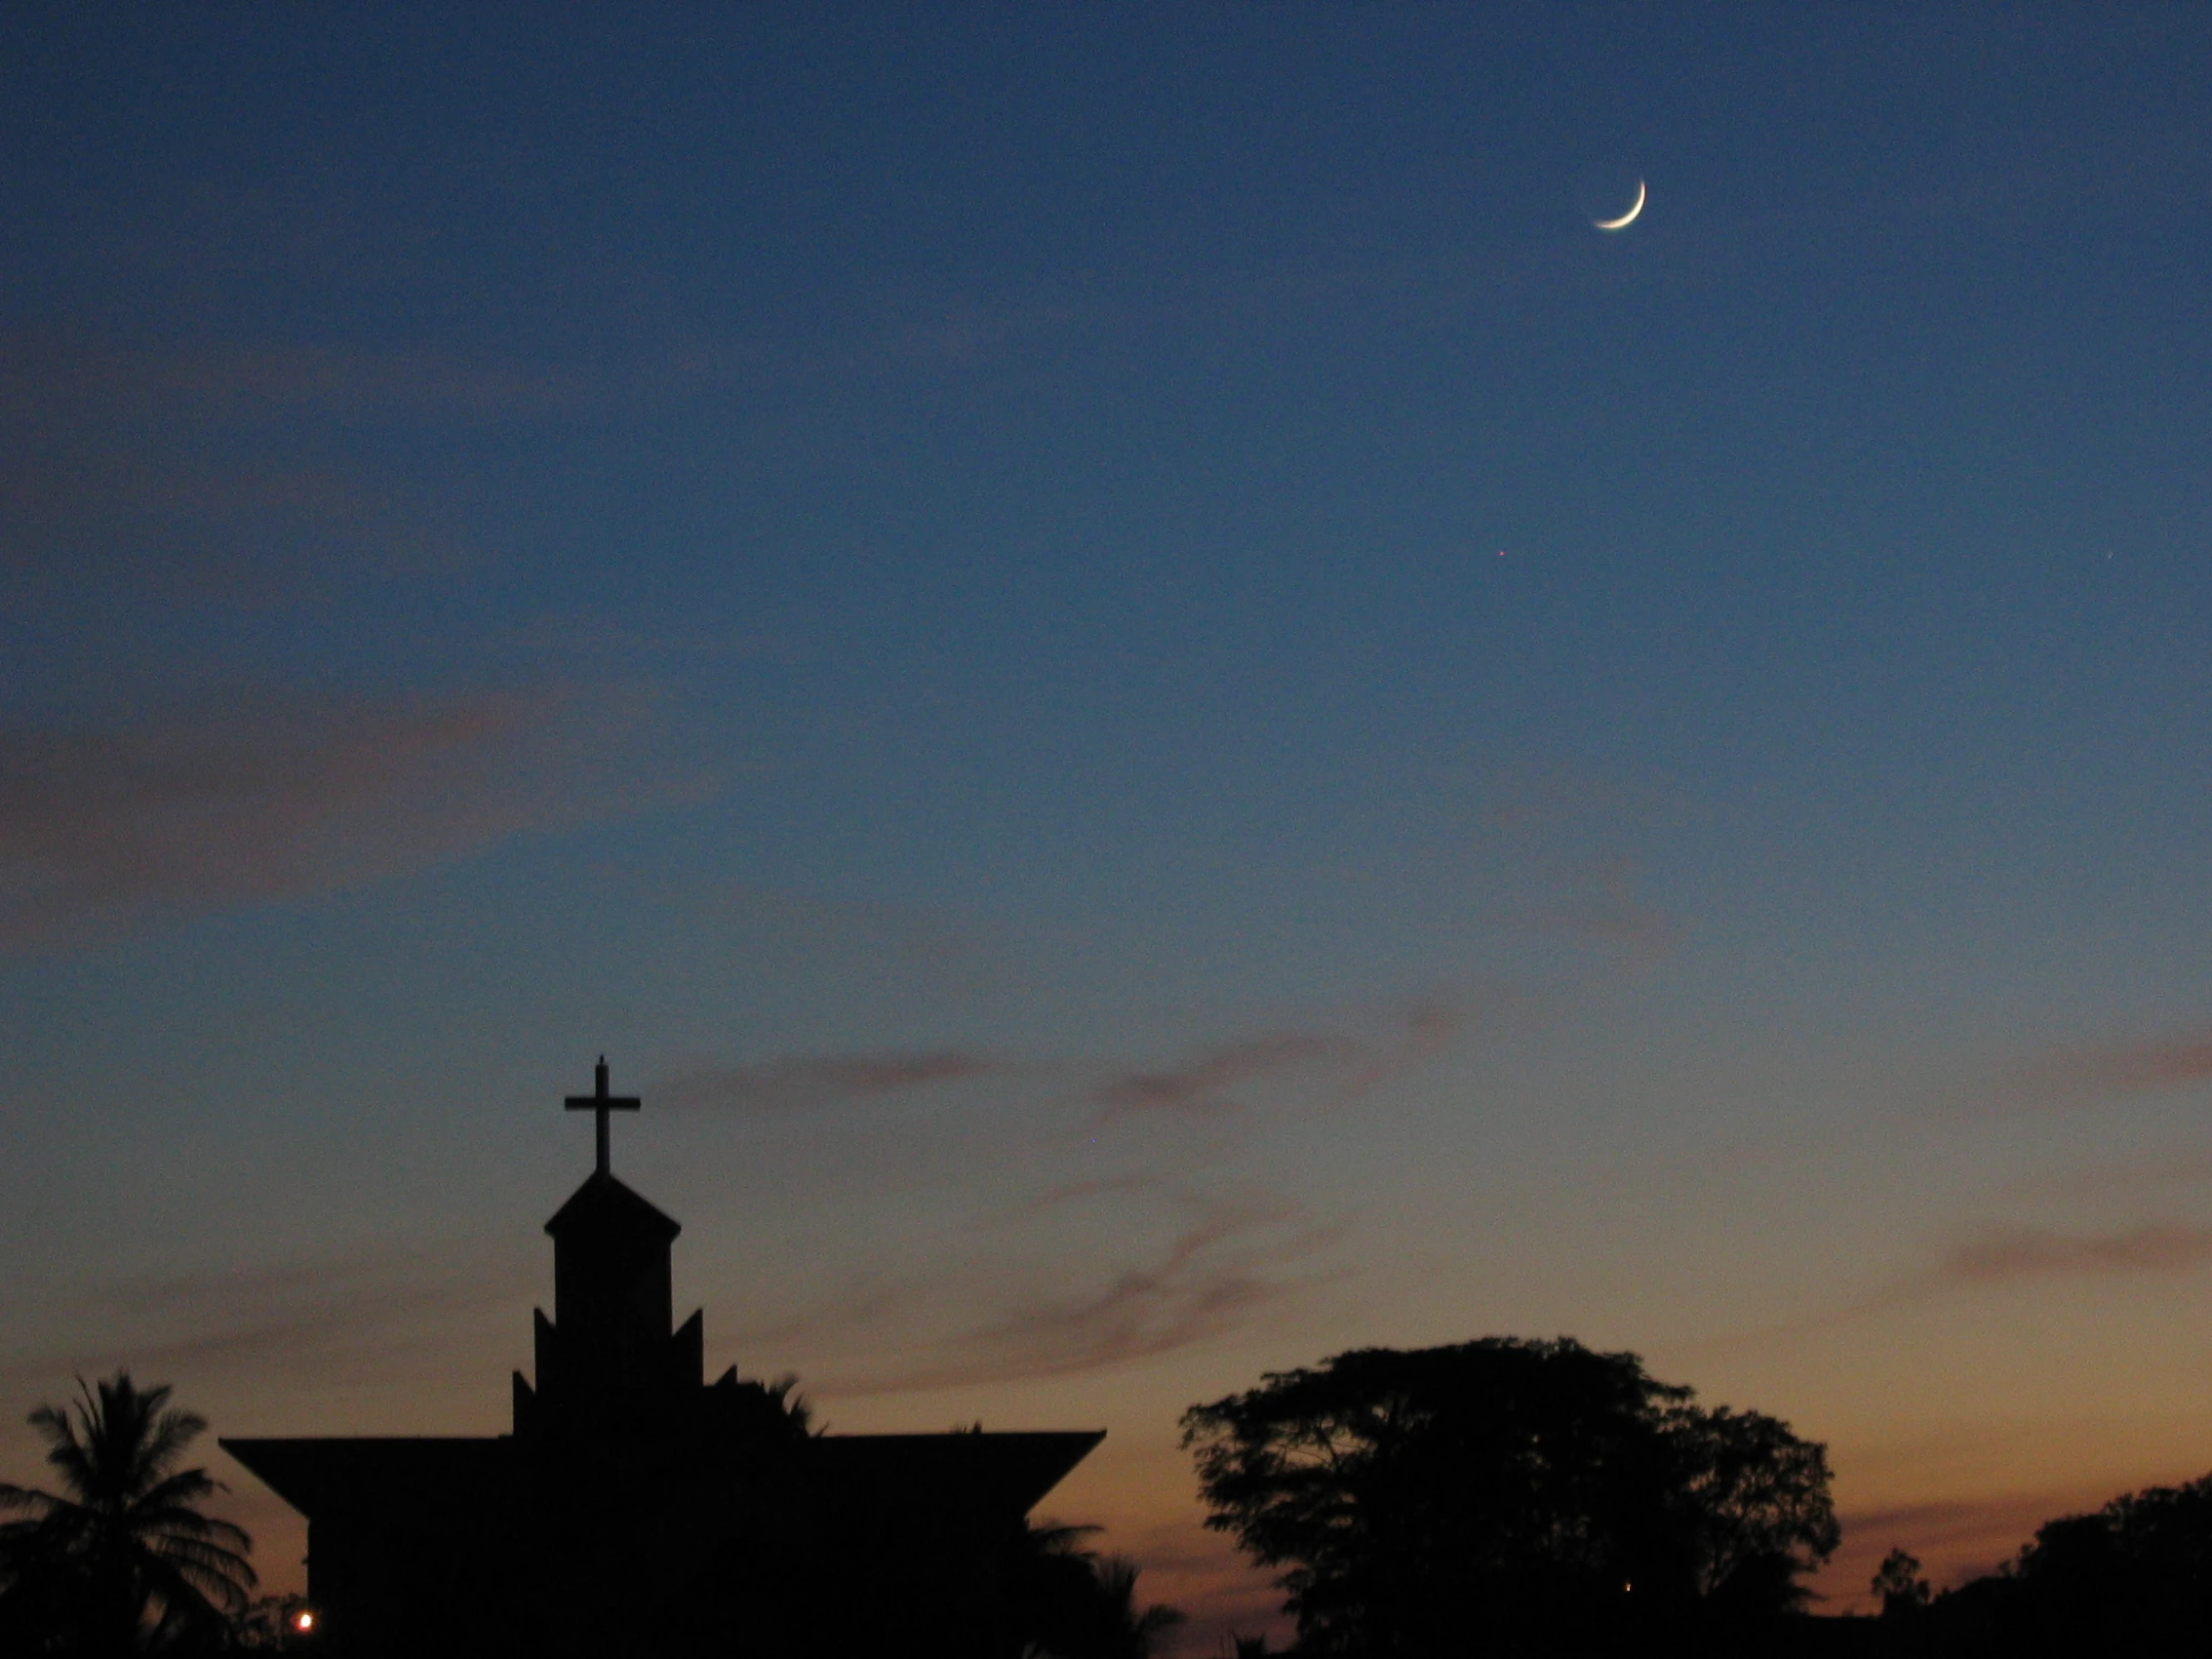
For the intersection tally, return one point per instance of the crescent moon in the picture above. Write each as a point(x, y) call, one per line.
point(1627, 219)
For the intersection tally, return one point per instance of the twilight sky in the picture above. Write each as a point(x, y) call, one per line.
point(1172, 720)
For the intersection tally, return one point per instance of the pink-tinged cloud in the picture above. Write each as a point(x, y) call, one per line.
point(1235, 1259)
point(2000, 1256)
point(2081, 1076)
point(251, 798)
point(119, 462)
point(1334, 1067)
point(1076, 1192)
point(804, 1081)
point(2006, 1255)
point(330, 1317)
point(1202, 1082)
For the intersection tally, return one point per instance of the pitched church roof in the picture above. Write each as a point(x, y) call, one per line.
point(1007, 1473)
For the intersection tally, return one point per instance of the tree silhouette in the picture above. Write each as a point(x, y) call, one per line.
point(1899, 1583)
point(1073, 1604)
point(770, 1411)
point(1754, 1502)
point(1507, 1496)
point(122, 1560)
point(2133, 1577)
point(1127, 1631)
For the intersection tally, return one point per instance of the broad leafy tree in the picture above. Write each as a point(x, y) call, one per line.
point(1507, 1496)
point(1752, 1499)
point(121, 1560)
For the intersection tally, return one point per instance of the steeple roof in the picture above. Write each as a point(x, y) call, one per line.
point(604, 1207)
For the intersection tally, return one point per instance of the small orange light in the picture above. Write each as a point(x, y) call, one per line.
point(303, 1620)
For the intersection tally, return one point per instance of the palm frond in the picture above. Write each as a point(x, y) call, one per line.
point(173, 1431)
point(26, 1497)
point(191, 1525)
point(177, 1489)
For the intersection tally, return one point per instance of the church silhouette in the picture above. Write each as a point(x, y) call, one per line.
point(636, 1509)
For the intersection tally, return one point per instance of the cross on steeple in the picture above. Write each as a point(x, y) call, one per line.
point(602, 1102)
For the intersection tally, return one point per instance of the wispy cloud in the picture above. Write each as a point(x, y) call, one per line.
point(1950, 1521)
point(1332, 1065)
point(814, 1080)
point(1209, 1278)
point(303, 1318)
point(261, 796)
point(2006, 1255)
point(1999, 1257)
point(2083, 1075)
point(1203, 1082)
point(1076, 1192)
point(1231, 1258)
point(196, 469)
point(1083, 1250)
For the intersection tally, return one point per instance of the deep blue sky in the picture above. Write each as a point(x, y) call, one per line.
point(922, 575)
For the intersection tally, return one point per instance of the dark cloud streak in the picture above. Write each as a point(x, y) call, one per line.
point(1231, 1258)
point(256, 797)
point(1339, 1066)
point(2003, 1255)
point(804, 1082)
point(304, 1316)
point(2083, 1076)
point(1202, 1082)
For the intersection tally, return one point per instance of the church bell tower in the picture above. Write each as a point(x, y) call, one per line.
point(609, 1365)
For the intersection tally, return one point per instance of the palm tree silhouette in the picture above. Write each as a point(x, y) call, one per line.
point(1131, 1634)
point(1077, 1605)
point(125, 1562)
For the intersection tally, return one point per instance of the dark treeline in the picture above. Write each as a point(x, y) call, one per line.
point(1506, 1498)
point(1495, 1497)
point(2134, 1577)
